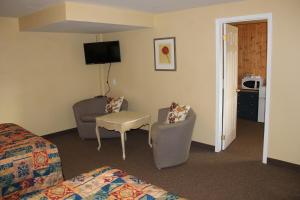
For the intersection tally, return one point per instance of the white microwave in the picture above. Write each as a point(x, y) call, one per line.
point(252, 82)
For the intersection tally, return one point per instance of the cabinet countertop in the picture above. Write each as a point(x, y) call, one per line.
point(245, 90)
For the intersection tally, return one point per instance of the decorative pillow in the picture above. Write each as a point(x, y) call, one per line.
point(113, 104)
point(177, 113)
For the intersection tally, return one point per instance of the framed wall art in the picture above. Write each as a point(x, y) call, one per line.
point(165, 54)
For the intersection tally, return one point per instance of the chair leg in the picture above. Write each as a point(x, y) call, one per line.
point(123, 144)
point(98, 137)
point(149, 136)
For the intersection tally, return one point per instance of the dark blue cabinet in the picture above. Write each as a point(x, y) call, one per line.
point(247, 106)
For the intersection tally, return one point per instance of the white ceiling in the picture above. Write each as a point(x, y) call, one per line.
point(17, 8)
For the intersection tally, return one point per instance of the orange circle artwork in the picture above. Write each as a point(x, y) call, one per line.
point(165, 50)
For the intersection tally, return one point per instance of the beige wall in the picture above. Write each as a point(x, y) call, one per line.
point(41, 76)
point(194, 81)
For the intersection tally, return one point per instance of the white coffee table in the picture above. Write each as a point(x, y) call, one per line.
point(123, 121)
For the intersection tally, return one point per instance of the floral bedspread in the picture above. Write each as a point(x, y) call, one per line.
point(28, 163)
point(103, 183)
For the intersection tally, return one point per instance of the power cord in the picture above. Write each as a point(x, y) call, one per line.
point(107, 82)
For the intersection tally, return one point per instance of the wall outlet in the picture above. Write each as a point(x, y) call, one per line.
point(114, 81)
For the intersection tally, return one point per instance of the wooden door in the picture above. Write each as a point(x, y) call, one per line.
point(230, 84)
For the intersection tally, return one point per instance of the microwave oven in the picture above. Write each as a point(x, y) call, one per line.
point(252, 82)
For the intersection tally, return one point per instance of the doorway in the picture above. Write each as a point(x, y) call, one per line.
point(227, 98)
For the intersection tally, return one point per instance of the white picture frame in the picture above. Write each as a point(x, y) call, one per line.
point(165, 54)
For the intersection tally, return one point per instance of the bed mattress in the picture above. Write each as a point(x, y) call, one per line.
point(103, 183)
point(28, 163)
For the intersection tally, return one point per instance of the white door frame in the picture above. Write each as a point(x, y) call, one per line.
point(219, 77)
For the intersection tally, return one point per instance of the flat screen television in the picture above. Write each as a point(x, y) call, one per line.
point(102, 52)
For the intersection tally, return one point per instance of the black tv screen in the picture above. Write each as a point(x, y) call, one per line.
point(102, 52)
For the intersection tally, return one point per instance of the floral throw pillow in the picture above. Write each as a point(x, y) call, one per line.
point(113, 104)
point(177, 113)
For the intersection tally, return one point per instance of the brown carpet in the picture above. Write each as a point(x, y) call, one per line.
point(236, 173)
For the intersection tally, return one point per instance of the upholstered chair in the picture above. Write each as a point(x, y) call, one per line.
point(172, 142)
point(86, 112)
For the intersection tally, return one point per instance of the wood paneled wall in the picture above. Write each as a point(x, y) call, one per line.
point(252, 50)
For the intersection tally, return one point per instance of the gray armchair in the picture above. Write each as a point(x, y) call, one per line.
point(86, 112)
point(172, 142)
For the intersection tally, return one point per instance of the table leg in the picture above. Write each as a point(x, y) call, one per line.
point(123, 143)
point(125, 137)
point(98, 137)
point(149, 136)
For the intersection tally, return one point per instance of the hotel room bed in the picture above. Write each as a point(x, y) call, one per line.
point(103, 183)
point(28, 163)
